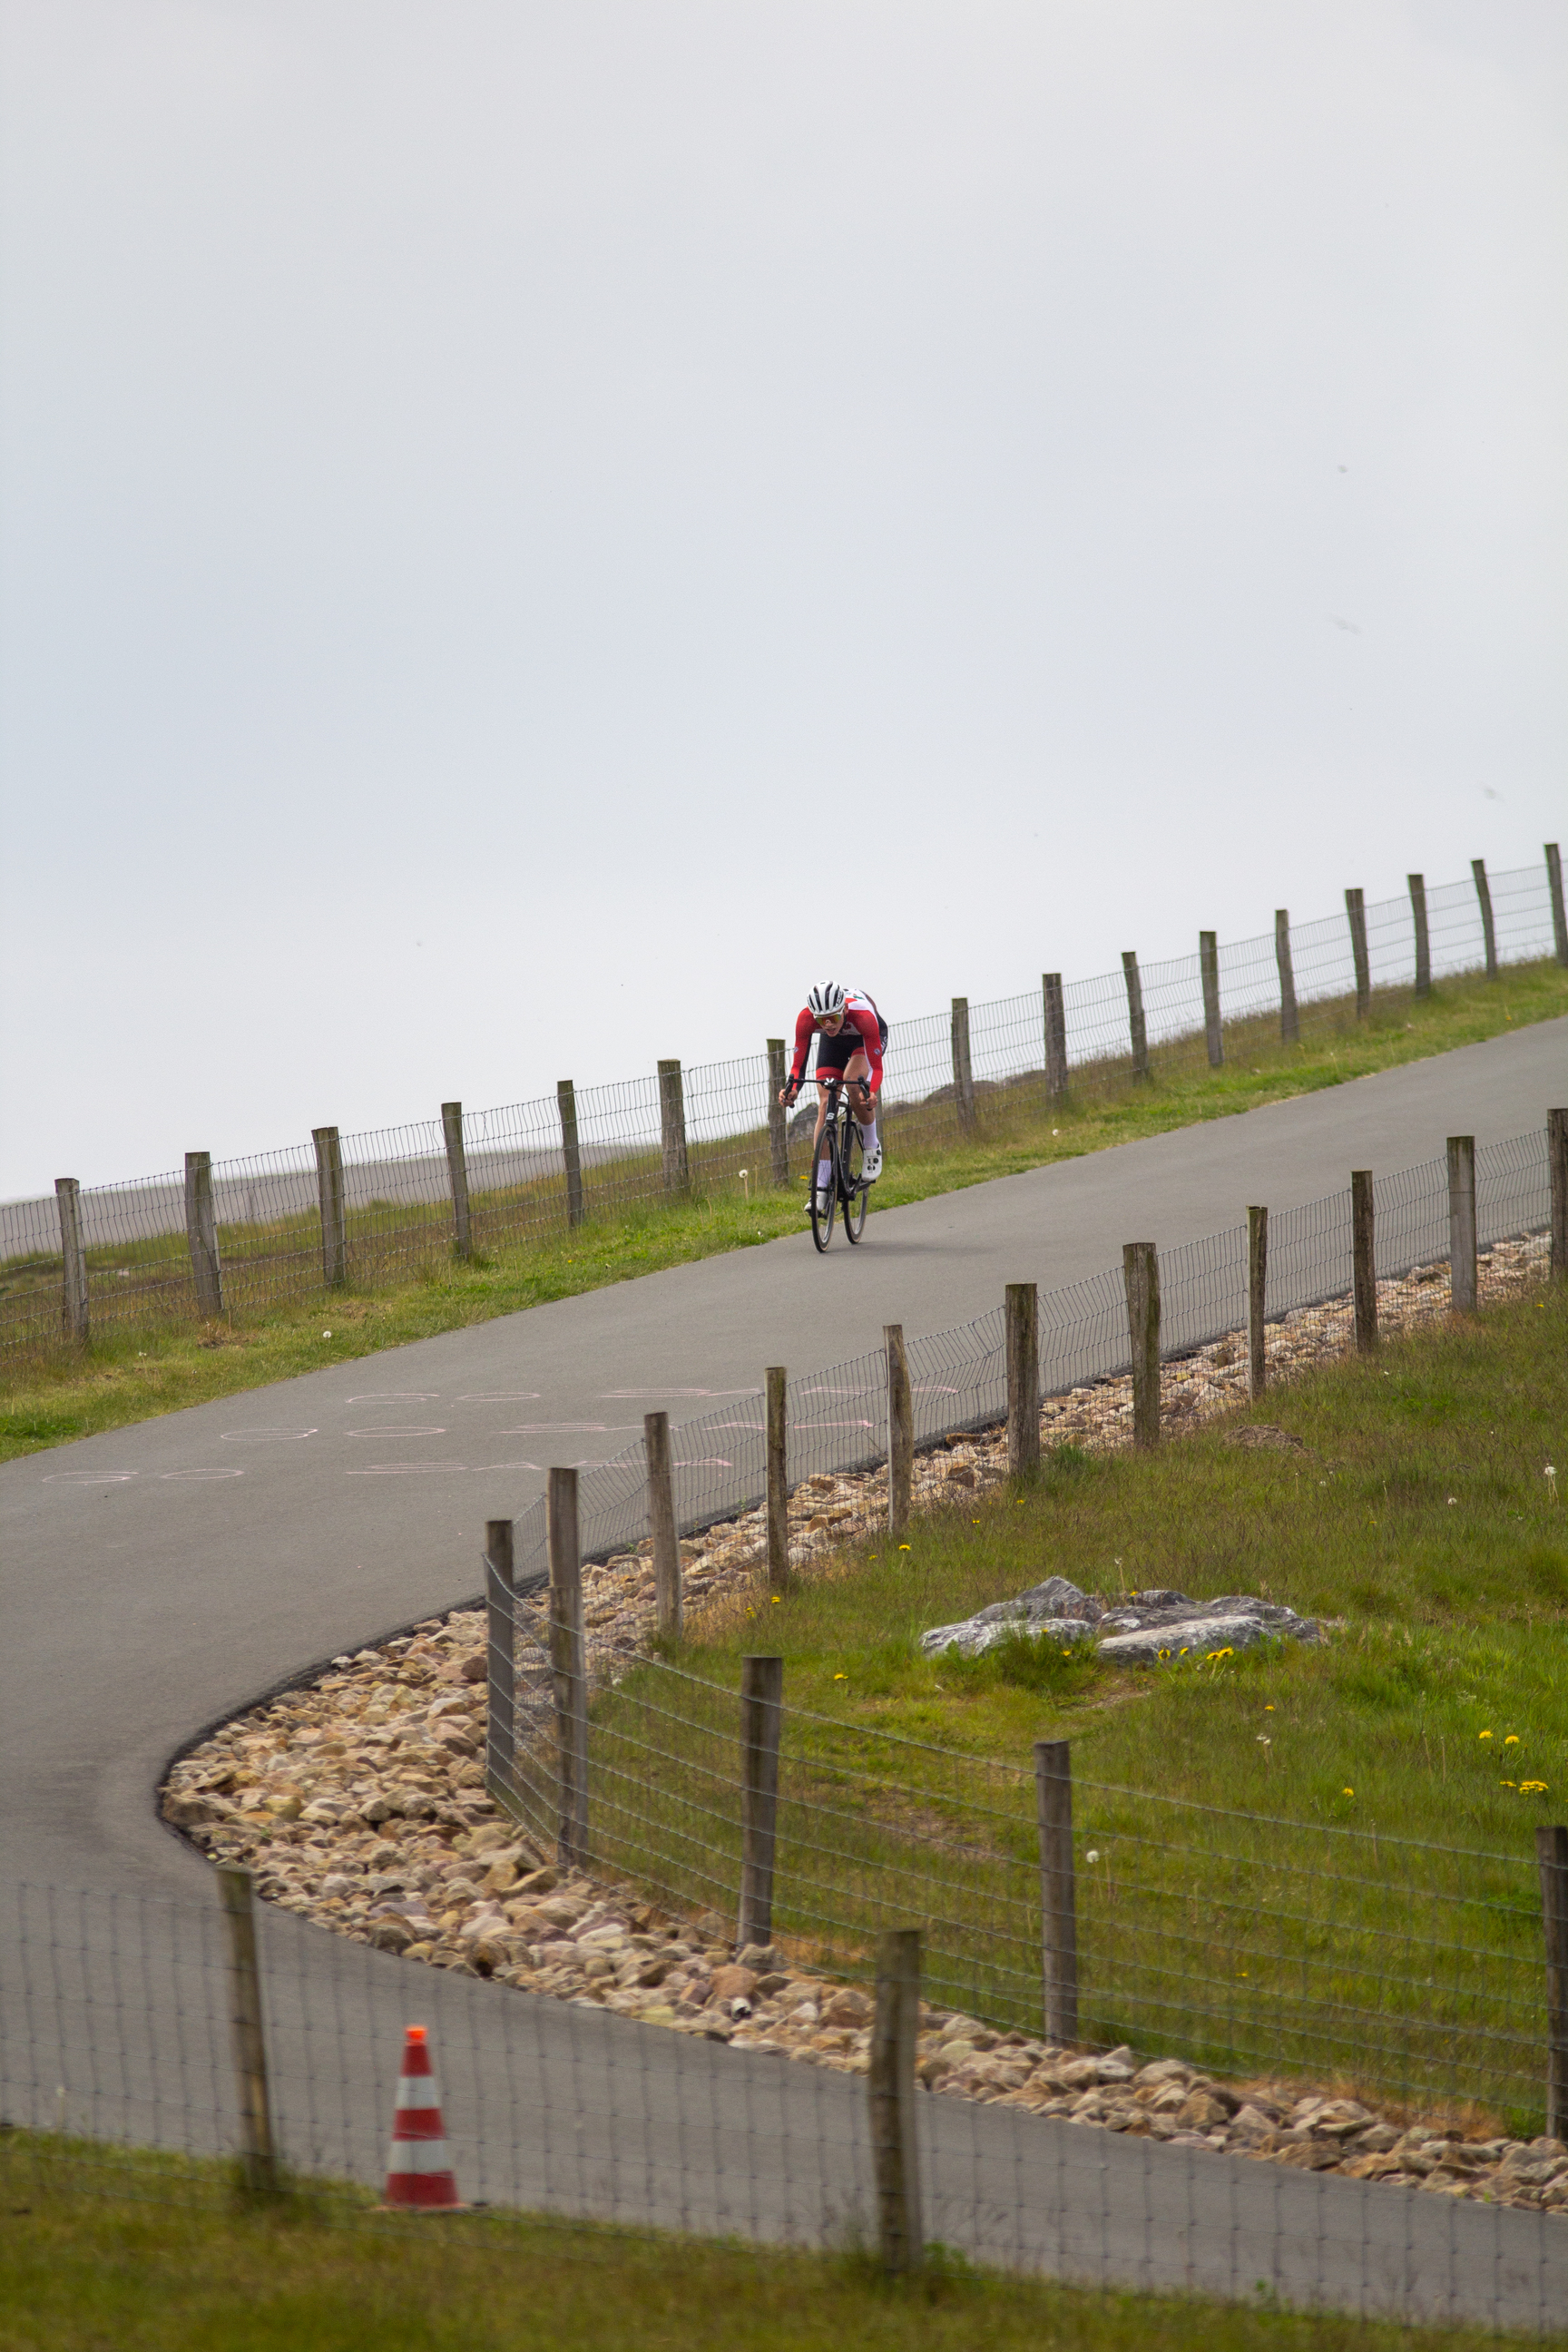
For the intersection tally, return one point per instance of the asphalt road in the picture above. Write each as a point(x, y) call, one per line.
point(156, 1579)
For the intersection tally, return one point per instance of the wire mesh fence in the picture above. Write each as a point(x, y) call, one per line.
point(1246, 1945)
point(284, 1226)
point(837, 1418)
point(1411, 1972)
point(118, 2080)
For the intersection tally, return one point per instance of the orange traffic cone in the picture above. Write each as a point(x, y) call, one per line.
point(418, 2172)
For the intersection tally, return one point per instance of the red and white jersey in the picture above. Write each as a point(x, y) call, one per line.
point(864, 1030)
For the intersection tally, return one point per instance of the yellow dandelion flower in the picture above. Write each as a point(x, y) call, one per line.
point(1485, 1735)
point(1532, 1789)
point(1513, 1739)
point(840, 1678)
point(1347, 1792)
point(903, 1547)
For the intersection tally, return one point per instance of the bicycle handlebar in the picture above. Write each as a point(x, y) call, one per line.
point(829, 1078)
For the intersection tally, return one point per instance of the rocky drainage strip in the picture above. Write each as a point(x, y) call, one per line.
point(359, 1801)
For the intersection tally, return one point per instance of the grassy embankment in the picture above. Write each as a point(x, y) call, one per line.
point(1416, 1511)
point(145, 2254)
point(133, 1374)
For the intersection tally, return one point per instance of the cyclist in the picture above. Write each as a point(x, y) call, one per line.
point(851, 1037)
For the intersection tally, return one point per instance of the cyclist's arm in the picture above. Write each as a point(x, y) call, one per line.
point(869, 1030)
point(805, 1031)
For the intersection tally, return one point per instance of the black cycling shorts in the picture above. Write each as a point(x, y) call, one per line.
point(837, 1053)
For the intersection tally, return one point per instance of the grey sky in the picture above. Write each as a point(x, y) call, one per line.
point(533, 531)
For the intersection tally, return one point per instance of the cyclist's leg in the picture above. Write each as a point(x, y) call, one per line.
point(863, 1107)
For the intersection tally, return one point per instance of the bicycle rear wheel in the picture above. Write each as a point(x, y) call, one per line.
point(855, 1189)
point(825, 1204)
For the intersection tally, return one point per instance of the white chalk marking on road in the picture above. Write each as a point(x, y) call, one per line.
point(264, 1436)
point(703, 1462)
point(394, 1433)
point(201, 1474)
point(89, 1477)
point(395, 1396)
point(502, 1396)
point(403, 1469)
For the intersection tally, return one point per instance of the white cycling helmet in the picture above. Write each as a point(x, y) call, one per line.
point(827, 1001)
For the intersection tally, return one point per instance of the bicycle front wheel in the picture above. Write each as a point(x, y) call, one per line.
point(856, 1190)
point(825, 1204)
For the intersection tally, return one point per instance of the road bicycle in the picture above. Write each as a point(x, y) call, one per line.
point(848, 1189)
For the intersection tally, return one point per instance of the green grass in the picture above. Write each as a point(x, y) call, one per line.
point(106, 2252)
point(134, 1373)
point(1418, 1514)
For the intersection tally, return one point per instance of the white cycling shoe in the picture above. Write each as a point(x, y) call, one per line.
point(873, 1166)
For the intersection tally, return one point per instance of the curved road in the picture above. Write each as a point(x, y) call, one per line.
point(156, 1579)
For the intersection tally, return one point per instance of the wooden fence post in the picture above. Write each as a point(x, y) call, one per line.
point(568, 1665)
point(1552, 1853)
point(672, 1128)
point(1023, 1378)
point(201, 1233)
point(334, 1208)
point(900, 1431)
point(1355, 907)
point(778, 1118)
point(1363, 1260)
point(963, 1068)
point(1257, 1299)
point(1417, 886)
point(1056, 1037)
point(457, 1175)
point(1208, 965)
point(661, 1523)
point(1289, 1026)
point(1489, 928)
point(570, 1152)
point(762, 1702)
point(894, 2028)
point(74, 1311)
point(1140, 1276)
point(500, 1723)
point(259, 2163)
point(1058, 1898)
point(1559, 918)
point(1463, 1283)
point(1138, 1036)
point(1557, 1164)
point(777, 1380)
